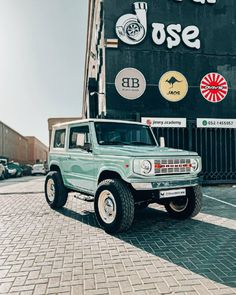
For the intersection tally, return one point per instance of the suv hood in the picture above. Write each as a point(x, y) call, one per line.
point(143, 151)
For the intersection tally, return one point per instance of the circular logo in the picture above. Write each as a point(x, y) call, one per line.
point(173, 86)
point(214, 87)
point(132, 28)
point(130, 83)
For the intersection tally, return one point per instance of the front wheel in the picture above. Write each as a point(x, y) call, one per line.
point(114, 206)
point(55, 192)
point(186, 207)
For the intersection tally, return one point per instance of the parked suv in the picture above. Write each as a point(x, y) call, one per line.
point(121, 165)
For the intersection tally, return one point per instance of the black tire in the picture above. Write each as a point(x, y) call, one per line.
point(192, 206)
point(59, 198)
point(122, 203)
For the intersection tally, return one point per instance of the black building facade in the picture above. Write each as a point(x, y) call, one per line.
point(172, 64)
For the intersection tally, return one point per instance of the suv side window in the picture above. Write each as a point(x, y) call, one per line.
point(59, 138)
point(79, 137)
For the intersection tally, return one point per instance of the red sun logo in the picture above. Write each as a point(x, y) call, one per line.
point(149, 122)
point(214, 87)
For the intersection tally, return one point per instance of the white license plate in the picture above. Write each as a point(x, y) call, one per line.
point(173, 193)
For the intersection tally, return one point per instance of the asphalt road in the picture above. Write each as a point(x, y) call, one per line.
point(43, 251)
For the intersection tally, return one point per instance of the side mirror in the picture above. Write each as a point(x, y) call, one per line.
point(88, 147)
point(162, 142)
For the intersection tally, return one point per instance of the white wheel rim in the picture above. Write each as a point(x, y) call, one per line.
point(51, 190)
point(178, 207)
point(107, 206)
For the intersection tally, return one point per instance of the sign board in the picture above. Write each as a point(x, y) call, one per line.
point(130, 83)
point(132, 29)
point(214, 87)
point(216, 123)
point(173, 86)
point(166, 122)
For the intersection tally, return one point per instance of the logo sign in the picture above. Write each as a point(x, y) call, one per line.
point(214, 87)
point(216, 123)
point(165, 122)
point(173, 86)
point(132, 28)
point(130, 83)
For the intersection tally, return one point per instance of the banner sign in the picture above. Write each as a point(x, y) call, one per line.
point(165, 122)
point(216, 123)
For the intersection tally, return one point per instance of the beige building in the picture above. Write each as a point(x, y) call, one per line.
point(19, 148)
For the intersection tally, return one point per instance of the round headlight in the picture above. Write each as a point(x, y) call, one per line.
point(146, 166)
point(194, 164)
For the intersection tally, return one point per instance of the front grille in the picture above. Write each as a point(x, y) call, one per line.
point(173, 166)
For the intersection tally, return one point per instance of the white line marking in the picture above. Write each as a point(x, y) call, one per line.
point(232, 205)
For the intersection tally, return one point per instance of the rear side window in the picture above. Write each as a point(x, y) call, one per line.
point(79, 137)
point(59, 138)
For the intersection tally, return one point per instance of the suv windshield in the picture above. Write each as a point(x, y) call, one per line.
point(109, 133)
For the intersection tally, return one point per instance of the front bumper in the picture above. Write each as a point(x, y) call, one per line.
point(164, 184)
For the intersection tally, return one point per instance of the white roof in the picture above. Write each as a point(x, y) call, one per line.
point(95, 120)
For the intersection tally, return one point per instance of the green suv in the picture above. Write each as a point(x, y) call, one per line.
point(121, 167)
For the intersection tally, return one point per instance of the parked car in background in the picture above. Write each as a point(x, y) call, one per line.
point(14, 169)
point(3, 161)
point(2, 172)
point(26, 169)
point(38, 169)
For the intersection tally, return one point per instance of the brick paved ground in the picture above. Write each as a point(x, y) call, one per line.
point(64, 252)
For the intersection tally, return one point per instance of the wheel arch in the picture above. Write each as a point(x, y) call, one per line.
point(55, 167)
point(108, 174)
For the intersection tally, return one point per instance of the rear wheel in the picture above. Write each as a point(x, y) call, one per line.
point(55, 192)
point(188, 206)
point(114, 206)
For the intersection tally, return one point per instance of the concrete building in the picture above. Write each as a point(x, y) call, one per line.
point(37, 151)
point(13, 145)
point(19, 148)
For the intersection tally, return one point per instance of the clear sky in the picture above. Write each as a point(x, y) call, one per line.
point(42, 51)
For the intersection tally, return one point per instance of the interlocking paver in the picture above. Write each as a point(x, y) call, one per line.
point(64, 252)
